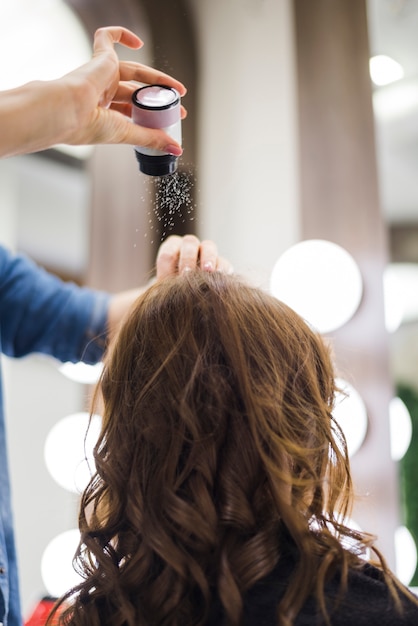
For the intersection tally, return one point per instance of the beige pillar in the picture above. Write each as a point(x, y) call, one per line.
point(339, 202)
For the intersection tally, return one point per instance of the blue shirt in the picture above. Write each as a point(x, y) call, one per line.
point(38, 313)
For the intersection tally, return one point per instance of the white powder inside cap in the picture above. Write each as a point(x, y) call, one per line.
point(156, 96)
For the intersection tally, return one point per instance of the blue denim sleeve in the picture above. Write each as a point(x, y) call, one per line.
point(40, 313)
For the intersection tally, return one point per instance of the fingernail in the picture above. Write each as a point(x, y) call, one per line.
point(186, 269)
point(173, 150)
point(208, 266)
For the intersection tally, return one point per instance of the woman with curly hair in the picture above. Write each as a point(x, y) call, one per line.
point(222, 479)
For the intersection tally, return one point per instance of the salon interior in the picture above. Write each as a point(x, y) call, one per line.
point(300, 161)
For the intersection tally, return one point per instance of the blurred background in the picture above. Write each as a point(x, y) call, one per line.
point(302, 128)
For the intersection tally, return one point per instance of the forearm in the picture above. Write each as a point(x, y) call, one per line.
point(40, 313)
point(35, 117)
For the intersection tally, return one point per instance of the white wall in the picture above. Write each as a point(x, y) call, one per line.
point(247, 170)
point(53, 214)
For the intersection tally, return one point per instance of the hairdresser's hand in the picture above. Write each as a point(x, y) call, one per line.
point(177, 255)
point(86, 106)
point(109, 90)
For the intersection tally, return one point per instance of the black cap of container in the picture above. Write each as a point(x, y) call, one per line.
point(156, 165)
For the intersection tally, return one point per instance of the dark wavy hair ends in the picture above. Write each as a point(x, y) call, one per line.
point(218, 445)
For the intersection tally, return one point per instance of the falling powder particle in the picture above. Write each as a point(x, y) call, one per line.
point(171, 204)
point(173, 201)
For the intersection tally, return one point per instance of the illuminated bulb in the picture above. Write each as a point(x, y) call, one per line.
point(395, 101)
point(400, 428)
point(68, 451)
point(406, 555)
point(351, 414)
point(57, 570)
point(384, 70)
point(51, 41)
point(393, 299)
point(320, 281)
point(400, 283)
point(82, 372)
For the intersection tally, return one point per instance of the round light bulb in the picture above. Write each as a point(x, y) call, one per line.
point(351, 415)
point(400, 428)
point(400, 285)
point(68, 450)
point(57, 570)
point(406, 555)
point(82, 372)
point(319, 280)
point(52, 41)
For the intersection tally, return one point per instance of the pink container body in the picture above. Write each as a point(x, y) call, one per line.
point(156, 106)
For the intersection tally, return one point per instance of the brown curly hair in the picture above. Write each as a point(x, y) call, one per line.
point(217, 437)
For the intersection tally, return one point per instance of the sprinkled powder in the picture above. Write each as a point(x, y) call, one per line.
point(173, 203)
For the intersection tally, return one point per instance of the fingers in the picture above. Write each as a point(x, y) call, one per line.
point(189, 254)
point(168, 257)
point(112, 126)
point(208, 256)
point(144, 74)
point(178, 255)
point(152, 138)
point(104, 38)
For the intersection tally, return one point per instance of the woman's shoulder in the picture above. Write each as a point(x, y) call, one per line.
point(369, 592)
point(367, 601)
